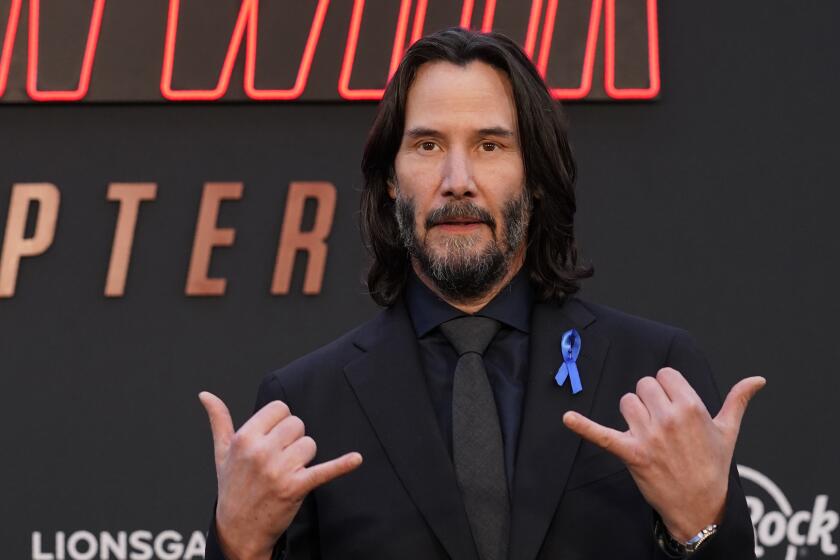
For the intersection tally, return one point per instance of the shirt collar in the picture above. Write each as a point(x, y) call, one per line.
point(511, 306)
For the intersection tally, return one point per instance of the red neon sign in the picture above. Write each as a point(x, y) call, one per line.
point(248, 18)
point(538, 43)
point(8, 44)
point(399, 48)
point(344, 89)
point(580, 92)
point(653, 56)
point(589, 54)
point(585, 87)
point(87, 60)
point(32, 59)
point(305, 63)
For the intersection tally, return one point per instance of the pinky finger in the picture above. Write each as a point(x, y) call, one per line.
point(322, 473)
point(609, 439)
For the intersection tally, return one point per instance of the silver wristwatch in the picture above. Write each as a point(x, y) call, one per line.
point(676, 549)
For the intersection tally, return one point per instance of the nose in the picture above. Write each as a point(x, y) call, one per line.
point(458, 180)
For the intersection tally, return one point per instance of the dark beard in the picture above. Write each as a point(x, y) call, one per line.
point(461, 274)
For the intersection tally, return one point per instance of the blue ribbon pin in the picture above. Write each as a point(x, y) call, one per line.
point(571, 348)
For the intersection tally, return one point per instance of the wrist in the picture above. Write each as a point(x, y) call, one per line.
point(247, 549)
point(682, 532)
point(678, 547)
point(684, 528)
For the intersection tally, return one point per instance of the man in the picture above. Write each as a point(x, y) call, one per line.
point(472, 448)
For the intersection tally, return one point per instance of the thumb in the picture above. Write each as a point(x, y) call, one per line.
point(735, 405)
point(221, 424)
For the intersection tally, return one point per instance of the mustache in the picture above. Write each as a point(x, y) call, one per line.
point(459, 210)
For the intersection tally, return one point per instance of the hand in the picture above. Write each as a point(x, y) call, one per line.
point(678, 455)
point(262, 475)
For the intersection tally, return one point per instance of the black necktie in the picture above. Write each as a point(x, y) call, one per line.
point(477, 448)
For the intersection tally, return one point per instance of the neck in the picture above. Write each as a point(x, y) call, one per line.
point(472, 306)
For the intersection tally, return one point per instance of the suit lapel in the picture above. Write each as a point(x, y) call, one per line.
point(389, 383)
point(546, 447)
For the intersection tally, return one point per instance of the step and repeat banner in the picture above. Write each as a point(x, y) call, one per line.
point(179, 187)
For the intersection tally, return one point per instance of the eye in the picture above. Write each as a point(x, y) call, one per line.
point(427, 146)
point(489, 146)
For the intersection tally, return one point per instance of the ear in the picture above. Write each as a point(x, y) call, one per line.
point(392, 187)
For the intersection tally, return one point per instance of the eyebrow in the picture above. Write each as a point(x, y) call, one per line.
point(496, 131)
point(419, 131)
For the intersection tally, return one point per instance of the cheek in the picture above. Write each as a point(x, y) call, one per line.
point(503, 179)
point(415, 206)
point(415, 172)
point(502, 195)
point(420, 198)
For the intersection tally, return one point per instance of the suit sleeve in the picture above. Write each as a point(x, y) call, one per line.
point(734, 539)
point(300, 541)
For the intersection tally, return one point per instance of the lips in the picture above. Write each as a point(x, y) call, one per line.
point(458, 222)
point(458, 227)
point(461, 216)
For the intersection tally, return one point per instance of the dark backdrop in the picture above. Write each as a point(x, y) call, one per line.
point(713, 208)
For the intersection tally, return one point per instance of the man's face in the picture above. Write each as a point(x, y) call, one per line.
point(459, 183)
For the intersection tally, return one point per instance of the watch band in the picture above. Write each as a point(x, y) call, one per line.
point(676, 549)
point(695, 542)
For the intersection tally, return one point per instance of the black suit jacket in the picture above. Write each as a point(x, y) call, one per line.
point(571, 500)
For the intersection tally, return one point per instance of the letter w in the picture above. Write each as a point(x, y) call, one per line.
point(247, 19)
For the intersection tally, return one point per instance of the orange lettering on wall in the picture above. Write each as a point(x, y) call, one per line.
point(129, 195)
point(15, 244)
point(313, 241)
point(208, 236)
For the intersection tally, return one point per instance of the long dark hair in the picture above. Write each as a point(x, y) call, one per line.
point(551, 256)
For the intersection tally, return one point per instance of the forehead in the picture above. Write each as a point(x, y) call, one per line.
point(445, 96)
